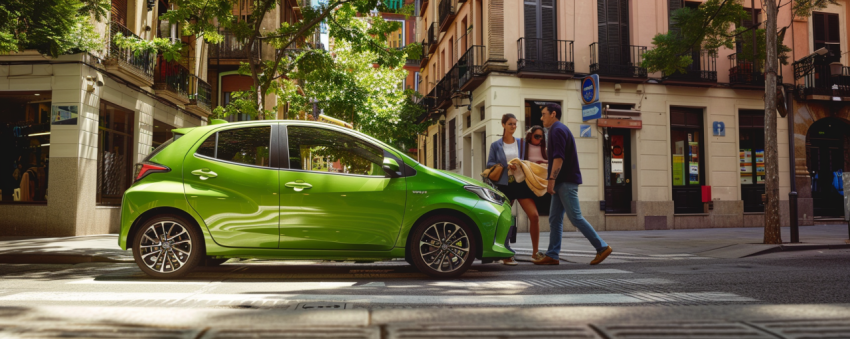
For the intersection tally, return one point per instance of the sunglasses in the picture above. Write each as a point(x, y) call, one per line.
point(538, 136)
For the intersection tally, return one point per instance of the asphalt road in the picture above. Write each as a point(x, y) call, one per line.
point(631, 289)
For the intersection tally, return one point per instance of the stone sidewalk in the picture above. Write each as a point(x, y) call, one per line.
point(726, 243)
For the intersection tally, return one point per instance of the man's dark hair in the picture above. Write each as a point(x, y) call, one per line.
point(554, 108)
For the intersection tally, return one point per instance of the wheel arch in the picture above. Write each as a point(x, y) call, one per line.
point(153, 212)
point(455, 213)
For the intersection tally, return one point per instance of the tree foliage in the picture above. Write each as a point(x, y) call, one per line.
point(53, 27)
point(709, 27)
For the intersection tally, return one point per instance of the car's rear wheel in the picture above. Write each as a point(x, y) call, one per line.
point(168, 246)
point(443, 247)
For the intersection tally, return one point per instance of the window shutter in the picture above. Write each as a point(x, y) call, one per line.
point(673, 5)
point(452, 144)
point(747, 23)
point(531, 32)
point(624, 33)
point(119, 12)
point(818, 29)
point(442, 148)
point(434, 147)
point(548, 30)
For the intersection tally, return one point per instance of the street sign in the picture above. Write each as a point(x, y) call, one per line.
point(719, 129)
point(620, 123)
point(584, 131)
point(591, 111)
point(590, 89)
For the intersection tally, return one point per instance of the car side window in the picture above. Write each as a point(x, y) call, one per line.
point(323, 150)
point(248, 146)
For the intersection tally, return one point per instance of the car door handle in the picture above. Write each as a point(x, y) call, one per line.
point(298, 186)
point(204, 173)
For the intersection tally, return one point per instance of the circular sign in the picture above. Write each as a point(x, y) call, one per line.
point(588, 90)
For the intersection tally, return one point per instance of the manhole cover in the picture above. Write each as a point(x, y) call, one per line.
point(323, 306)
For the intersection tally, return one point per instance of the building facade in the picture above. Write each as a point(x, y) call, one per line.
point(73, 127)
point(686, 148)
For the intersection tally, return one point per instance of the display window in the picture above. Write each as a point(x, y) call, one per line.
point(161, 133)
point(688, 167)
point(115, 153)
point(751, 158)
point(25, 151)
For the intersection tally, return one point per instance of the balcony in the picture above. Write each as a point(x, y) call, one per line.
point(424, 60)
point(746, 73)
point(428, 104)
point(470, 69)
point(617, 62)
point(137, 68)
point(447, 12)
point(701, 72)
point(171, 81)
point(822, 80)
point(545, 58)
point(446, 89)
point(231, 51)
point(433, 37)
point(200, 97)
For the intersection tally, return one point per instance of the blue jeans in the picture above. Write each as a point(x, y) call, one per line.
point(565, 199)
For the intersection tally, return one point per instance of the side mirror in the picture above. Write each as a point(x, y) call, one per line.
point(391, 167)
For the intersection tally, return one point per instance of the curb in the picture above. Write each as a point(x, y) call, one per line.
point(791, 248)
point(57, 259)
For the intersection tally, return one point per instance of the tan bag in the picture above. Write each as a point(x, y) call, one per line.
point(493, 173)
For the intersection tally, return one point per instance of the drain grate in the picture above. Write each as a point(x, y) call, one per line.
point(130, 332)
point(497, 331)
point(799, 329)
point(323, 306)
point(307, 333)
point(707, 330)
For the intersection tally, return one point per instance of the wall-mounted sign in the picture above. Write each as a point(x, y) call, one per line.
point(617, 166)
point(590, 108)
point(718, 129)
point(584, 131)
point(64, 114)
point(620, 123)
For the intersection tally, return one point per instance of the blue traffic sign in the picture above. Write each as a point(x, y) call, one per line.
point(590, 89)
point(719, 129)
point(585, 131)
point(591, 111)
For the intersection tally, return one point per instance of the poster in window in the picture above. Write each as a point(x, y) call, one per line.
point(679, 164)
point(693, 163)
point(759, 164)
point(617, 166)
point(746, 159)
point(64, 114)
point(617, 147)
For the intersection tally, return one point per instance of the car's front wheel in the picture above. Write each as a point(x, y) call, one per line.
point(443, 247)
point(168, 246)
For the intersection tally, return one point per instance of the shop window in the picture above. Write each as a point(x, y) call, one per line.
point(322, 150)
point(688, 169)
point(115, 153)
point(25, 151)
point(161, 133)
point(751, 158)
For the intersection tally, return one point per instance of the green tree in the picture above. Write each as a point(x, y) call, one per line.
point(53, 27)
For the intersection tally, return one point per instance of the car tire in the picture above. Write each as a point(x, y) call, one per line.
point(168, 246)
point(443, 246)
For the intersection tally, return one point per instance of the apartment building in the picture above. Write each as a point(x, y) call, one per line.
point(72, 127)
point(692, 148)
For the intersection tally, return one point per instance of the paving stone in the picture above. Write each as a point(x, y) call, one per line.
point(804, 329)
point(97, 331)
point(324, 332)
point(499, 331)
point(691, 330)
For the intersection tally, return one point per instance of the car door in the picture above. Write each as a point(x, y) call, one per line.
point(232, 183)
point(335, 194)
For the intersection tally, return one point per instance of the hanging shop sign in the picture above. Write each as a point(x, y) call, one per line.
point(591, 108)
point(620, 123)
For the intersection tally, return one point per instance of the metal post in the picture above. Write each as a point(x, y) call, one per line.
point(792, 195)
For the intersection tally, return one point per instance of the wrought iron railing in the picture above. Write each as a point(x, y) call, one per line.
point(745, 72)
point(617, 60)
point(545, 55)
point(423, 61)
point(470, 65)
point(232, 48)
point(428, 102)
point(446, 10)
point(433, 34)
point(201, 92)
point(171, 76)
point(703, 68)
point(447, 86)
point(826, 80)
point(143, 62)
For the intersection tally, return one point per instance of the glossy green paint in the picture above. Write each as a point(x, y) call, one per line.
point(374, 217)
point(240, 204)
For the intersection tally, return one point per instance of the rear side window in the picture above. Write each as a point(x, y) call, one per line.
point(161, 147)
point(248, 146)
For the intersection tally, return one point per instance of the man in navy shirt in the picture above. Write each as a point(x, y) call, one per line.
point(564, 178)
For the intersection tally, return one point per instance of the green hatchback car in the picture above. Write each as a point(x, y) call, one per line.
point(304, 190)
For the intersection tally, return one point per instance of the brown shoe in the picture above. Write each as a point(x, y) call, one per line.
point(601, 256)
point(547, 260)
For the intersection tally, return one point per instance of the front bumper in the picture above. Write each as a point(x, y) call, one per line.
point(500, 245)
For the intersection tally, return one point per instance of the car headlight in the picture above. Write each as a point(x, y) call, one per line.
point(486, 194)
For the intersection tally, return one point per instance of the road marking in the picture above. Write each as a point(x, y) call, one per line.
point(500, 300)
point(95, 281)
point(546, 272)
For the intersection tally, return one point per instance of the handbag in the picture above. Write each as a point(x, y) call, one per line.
point(493, 173)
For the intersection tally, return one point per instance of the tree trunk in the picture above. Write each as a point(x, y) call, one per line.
point(772, 232)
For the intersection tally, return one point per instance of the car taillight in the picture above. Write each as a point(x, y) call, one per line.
point(145, 168)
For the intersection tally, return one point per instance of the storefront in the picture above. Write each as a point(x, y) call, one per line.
point(25, 154)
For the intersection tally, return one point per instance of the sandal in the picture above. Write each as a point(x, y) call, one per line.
point(509, 262)
point(537, 256)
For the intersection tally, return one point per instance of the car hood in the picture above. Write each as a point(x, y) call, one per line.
point(463, 179)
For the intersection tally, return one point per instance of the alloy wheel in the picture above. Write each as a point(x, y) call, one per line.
point(444, 247)
point(165, 247)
